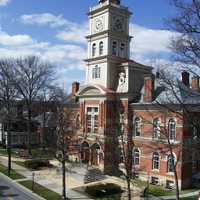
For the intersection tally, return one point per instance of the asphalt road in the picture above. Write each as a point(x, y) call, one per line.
point(11, 191)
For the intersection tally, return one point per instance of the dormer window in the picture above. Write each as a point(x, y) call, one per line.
point(94, 48)
point(114, 48)
point(101, 48)
point(96, 72)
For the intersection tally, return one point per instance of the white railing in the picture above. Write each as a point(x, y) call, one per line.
point(105, 4)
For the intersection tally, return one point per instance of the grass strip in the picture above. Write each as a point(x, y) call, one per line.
point(41, 190)
point(20, 163)
point(3, 152)
point(13, 175)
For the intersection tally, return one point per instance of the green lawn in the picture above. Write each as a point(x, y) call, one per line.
point(40, 153)
point(36, 153)
point(41, 190)
point(14, 175)
point(160, 191)
point(3, 152)
point(21, 163)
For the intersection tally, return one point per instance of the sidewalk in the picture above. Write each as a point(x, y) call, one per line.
point(181, 195)
point(46, 178)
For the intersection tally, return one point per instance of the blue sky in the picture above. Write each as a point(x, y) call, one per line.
point(55, 30)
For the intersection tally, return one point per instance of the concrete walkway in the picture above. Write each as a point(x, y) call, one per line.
point(47, 178)
point(196, 193)
point(52, 179)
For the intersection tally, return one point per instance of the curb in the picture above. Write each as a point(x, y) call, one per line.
point(22, 187)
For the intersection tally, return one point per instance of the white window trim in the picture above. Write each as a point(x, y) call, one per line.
point(153, 169)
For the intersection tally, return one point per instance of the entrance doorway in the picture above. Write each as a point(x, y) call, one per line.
point(85, 152)
point(95, 154)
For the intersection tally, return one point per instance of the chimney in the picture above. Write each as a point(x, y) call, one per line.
point(148, 88)
point(186, 78)
point(75, 88)
point(195, 82)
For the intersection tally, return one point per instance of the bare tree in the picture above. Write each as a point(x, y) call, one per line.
point(64, 133)
point(47, 107)
point(31, 77)
point(186, 45)
point(174, 98)
point(125, 145)
point(8, 94)
point(161, 136)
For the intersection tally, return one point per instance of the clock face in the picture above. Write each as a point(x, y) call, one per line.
point(118, 24)
point(99, 24)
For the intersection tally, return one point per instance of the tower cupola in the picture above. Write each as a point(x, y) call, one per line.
point(110, 1)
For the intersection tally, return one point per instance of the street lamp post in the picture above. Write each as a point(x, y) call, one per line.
point(33, 181)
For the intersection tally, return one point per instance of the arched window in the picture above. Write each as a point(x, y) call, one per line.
point(137, 127)
point(101, 48)
point(114, 48)
point(78, 122)
point(155, 160)
point(172, 129)
point(121, 153)
point(136, 157)
point(194, 132)
point(170, 163)
point(122, 50)
point(194, 162)
point(156, 128)
point(94, 48)
point(121, 122)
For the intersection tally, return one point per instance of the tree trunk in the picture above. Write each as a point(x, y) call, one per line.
point(43, 131)
point(175, 172)
point(29, 131)
point(177, 185)
point(129, 188)
point(63, 179)
point(9, 147)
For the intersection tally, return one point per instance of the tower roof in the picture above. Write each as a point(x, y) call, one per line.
point(111, 1)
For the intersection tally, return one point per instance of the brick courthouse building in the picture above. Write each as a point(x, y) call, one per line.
point(119, 91)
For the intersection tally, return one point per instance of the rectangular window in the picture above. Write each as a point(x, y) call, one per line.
point(122, 50)
point(92, 119)
point(96, 72)
point(137, 127)
point(170, 184)
point(114, 48)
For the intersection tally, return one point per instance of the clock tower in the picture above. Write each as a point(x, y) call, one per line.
point(113, 81)
point(108, 42)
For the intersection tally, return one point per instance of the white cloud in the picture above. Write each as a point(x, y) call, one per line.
point(4, 2)
point(74, 33)
point(15, 40)
point(45, 19)
point(149, 41)
point(66, 55)
point(70, 51)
